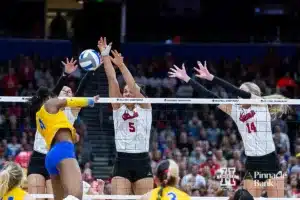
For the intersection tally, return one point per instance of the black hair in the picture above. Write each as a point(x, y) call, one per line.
point(36, 101)
point(162, 171)
point(142, 88)
point(242, 194)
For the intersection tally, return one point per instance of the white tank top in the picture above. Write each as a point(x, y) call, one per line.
point(254, 125)
point(39, 141)
point(132, 129)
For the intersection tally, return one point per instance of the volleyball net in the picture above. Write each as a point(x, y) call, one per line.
point(188, 130)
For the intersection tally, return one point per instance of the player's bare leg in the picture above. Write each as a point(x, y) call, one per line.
point(121, 186)
point(49, 189)
point(58, 190)
point(70, 177)
point(36, 184)
point(254, 189)
point(275, 188)
point(143, 186)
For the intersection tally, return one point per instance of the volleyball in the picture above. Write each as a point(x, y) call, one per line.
point(89, 60)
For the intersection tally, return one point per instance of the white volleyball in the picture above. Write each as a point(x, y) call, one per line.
point(89, 60)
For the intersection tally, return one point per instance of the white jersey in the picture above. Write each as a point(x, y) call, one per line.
point(254, 125)
point(132, 129)
point(39, 141)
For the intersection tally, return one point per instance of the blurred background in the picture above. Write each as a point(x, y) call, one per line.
point(246, 40)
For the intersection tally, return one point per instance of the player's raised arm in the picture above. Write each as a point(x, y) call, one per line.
point(55, 104)
point(181, 74)
point(118, 60)
point(113, 85)
point(203, 73)
point(68, 69)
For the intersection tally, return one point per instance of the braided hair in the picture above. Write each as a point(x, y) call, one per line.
point(36, 101)
point(167, 173)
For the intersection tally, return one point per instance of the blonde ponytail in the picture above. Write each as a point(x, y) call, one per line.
point(4, 182)
point(10, 177)
point(277, 111)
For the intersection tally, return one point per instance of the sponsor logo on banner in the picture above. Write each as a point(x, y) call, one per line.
point(227, 177)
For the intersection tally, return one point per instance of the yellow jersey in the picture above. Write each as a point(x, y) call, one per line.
point(169, 193)
point(48, 124)
point(15, 194)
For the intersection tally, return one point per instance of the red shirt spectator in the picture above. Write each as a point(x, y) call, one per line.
point(10, 83)
point(212, 165)
point(26, 72)
point(23, 158)
point(15, 110)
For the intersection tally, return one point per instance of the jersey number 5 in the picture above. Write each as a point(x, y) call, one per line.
point(42, 125)
point(172, 196)
point(131, 127)
point(251, 127)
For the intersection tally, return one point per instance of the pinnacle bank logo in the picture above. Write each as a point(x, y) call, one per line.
point(227, 177)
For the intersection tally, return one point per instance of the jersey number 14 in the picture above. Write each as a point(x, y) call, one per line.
point(251, 127)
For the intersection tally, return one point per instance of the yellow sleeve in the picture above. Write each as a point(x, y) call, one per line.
point(76, 102)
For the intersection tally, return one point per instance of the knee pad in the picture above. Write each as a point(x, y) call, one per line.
point(70, 197)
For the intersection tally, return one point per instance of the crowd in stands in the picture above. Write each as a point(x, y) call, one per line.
point(198, 137)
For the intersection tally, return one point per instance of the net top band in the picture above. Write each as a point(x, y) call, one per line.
point(175, 100)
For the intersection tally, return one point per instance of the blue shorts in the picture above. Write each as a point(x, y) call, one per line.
point(59, 152)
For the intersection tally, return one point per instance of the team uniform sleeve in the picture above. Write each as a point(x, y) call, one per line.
point(201, 89)
point(231, 88)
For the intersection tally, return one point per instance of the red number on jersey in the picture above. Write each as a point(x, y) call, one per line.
point(131, 127)
point(251, 127)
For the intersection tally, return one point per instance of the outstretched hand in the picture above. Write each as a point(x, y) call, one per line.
point(181, 74)
point(103, 47)
point(202, 71)
point(70, 65)
point(118, 59)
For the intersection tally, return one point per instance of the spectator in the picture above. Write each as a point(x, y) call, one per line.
point(209, 167)
point(296, 168)
point(14, 147)
point(87, 172)
point(220, 158)
point(58, 27)
point(197, 157)
point(29, 90)
point(14, 113)
point(10, 83)
point(281, 140)
point(24, 156)
point(193, 180)
point(213, 133)
point(26, 71)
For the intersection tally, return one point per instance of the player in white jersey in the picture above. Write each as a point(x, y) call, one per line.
point(254, 124)
point(38, 178)
point(132, 123)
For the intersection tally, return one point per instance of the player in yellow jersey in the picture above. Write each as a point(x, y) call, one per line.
point(11, 177)
point(60, 136)
point(166, 177)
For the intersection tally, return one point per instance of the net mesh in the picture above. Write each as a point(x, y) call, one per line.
point(189, 131)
